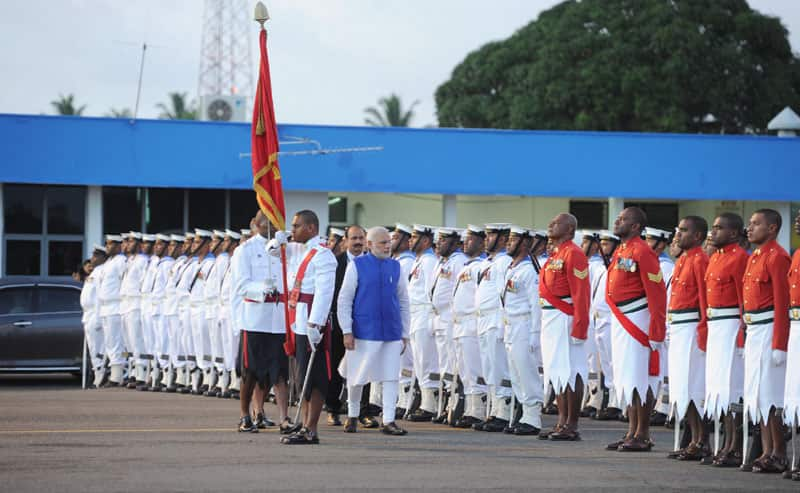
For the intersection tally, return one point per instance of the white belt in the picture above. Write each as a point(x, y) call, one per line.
point(760, 317)
point(547, 306)
point(518, 317)
point(722, 313)
point(463, 318)
point(683, 316)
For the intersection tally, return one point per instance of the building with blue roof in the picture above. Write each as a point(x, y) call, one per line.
point(68, 180)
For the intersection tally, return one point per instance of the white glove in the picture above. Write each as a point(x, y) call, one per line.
point(778, 357)
point(281, 238)
point(314, 335)
point(655, 346)
point(575, 341)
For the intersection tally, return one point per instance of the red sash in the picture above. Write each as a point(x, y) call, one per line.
point(554, 300)
point(294, 295)
point(638, 334)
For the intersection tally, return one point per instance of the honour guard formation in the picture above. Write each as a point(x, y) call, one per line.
point(483, 328)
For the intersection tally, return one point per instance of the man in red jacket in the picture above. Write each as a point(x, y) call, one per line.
point(564, 296)
point(766, 313)
point(688, 332)
point(637, 297)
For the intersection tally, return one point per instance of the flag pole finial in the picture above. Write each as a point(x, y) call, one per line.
point(261, 14)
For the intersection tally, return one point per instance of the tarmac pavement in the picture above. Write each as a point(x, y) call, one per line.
point(56, 437)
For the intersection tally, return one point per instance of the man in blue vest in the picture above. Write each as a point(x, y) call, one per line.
point(373, 313)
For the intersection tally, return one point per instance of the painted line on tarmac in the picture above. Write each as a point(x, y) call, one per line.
point(123, 430)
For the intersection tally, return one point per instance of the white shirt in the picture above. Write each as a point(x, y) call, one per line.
point(347, 294)
point(185, 283)
point(170, 303)
point(197, 287)
point(406, 260)
point(521, 294)
point(89, 298)
point(445, 276)
point(109, 292)
point(158, 293)
point(132, 282)
point(319, 280)
point(255, 273)
point(213, 285)
point(148, 279)
point(491, 282)
point(421, 278)
point(466, 288)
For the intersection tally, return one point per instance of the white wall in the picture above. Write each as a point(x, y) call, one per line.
point(93, 229)
point(316, 201)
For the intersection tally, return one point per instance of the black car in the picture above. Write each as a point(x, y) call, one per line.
point(40, 325)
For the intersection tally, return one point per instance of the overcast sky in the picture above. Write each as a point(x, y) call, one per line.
point(330, 59)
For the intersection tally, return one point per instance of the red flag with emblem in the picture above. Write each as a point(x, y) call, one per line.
point(264, 133)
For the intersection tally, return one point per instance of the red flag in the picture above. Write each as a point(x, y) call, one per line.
point(266, 173)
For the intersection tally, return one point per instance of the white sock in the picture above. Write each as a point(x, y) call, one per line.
point(390, 390)
point(354, 400)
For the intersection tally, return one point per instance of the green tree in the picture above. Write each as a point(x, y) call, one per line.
point(65, 105)
point(178, 108)
point(646, 65)
point(390, 113)
point(123, 113)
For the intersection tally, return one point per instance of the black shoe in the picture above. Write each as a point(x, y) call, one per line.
point(421, 415)
point(224, 395)
point(588, 412)
point(287, 428)
point(608, 414)
point(350, 425)
point(369, 422)
point(235, 394)
point(263, 422)
point(184, 390)
point(466, 422)
point(658, 419)
point(142, 387)
point(333, 419)
point(525, 429)
point(393, 429)
point(246, 425)
point(440, 419)
point(495, 425)
point(212, 392)
point(479, 425)
point(550, 409)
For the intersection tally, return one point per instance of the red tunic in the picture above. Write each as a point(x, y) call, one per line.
point(689, 289)
point(794, 285)
point(566, 274)
point(634, 272)
point(724, 276)
point(766, 285)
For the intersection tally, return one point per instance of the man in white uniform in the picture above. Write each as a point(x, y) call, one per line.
point(225, 325)
point(401, 251)
point(212, 294)
point(92, 327)
point(108, 297)
point(204, 243)
point(130, 308)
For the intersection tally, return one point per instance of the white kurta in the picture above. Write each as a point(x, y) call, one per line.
point(724, 367)
point(370, 361)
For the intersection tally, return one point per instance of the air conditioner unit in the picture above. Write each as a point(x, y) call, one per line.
point(223, 108)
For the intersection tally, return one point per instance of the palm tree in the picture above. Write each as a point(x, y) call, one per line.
point(178, 109)
point(65, 105)
point(123, 113)
point(390, 114)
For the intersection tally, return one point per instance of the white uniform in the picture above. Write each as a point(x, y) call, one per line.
point(423, 343)
point(494, 362)
point(445, 276)
point(212, 291)
point(523, 319)
point(92, 327)
point(108, 296)
point(225, 317)
point(600, 313)
point(201, 339)
point(130, 309)
point(319, 279)
point(254, 273)
point(594, 392)
point(158, 295)
point(182, 292)
point(146, 308)
point(406, 260)
point(169, 308)
point(465, 334)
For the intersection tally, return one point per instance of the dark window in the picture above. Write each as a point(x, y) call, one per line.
point(57, 299)
point(23, 257)
point(164, 211)
point(66, 210)
point(590, 214)
point(122, 209)
point(243, 208)
point(337, 209)
point(22, 206)
point(659, 215)
point(207, 209)
point(16, 300)
point(65, 257)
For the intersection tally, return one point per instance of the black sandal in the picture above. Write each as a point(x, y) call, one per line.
point(302, 437)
